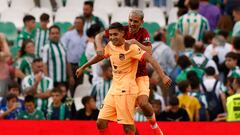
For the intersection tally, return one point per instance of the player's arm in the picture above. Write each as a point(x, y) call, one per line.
point(163, 77)
point(99, 44)
point(148, 49)
point(92, 61)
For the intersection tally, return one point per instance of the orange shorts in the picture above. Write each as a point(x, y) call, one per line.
point(118, 108)
point(143, 85)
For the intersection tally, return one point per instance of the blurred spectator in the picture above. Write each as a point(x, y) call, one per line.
point(91, 51)
point(193, 23)
point(89, 17)
point(177, 43)
point(26, 56)
point(157, 107)
point(207, 37)
point(219, 48)
point(58, 110)
point(233, 102)
point(230, 5)
point(195, 92)
point(100, 88)
point(31, 113)
point(9, 111)
point(74, 42)
point(53, 4)
point(225, 23)
point(174, 112)
point(190, 103)
point(27, 31)
point(211, 88)
point(89, 112)
point(38, 85)
point(189, 42)
point(236, 28)
point(201, 61)
point(14, 89)
point(185, 65)
point(236, 47)
point(41, 34)
point(231, 64)
point(55, 57)
point(163, 53)
point(210, 12)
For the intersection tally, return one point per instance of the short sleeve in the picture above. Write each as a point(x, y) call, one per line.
point(146, 38)
point(50, 86)
point(137, 52)
point(107, 51)
point(25, 84)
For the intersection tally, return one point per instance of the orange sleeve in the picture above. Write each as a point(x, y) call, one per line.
point(137, 52)
point(106, 51)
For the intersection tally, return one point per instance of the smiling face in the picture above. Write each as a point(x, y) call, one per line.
point(134, 23)
point(116, 36)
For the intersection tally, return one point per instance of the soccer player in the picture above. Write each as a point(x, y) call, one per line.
point(134, 34)
point(119, 103)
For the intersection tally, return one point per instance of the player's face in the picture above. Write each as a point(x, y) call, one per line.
point(54, 35)
point(29, 107)
point(230, 63)
point(116, 36)
point(134, 23)
point(29, 49)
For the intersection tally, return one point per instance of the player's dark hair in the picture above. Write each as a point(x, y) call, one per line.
point(116, 25)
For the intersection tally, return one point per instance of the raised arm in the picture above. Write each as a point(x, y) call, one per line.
point(92, 61)
point(99, 44)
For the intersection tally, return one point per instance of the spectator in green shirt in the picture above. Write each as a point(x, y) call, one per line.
point(30, 112)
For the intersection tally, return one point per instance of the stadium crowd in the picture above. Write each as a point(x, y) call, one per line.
point(202, 58)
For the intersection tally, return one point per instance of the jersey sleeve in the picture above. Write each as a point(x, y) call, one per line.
point(25, 84)
point(146, 38)
point(137, 52)
point(107, 51)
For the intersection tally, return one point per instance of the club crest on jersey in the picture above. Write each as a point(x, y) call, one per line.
point(121, 56)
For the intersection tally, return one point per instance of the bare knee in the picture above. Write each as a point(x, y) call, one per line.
point(129, 129)
point(102, 124)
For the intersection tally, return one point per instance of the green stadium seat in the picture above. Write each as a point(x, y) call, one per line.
point(64, 26)
point(171, 29)
point(151, 27)
point(9, 29)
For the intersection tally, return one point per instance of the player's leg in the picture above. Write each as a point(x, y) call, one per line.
point(129, 129)
point(146, 107)
point(107, 113)
point(102, 126)
point(125, 107)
